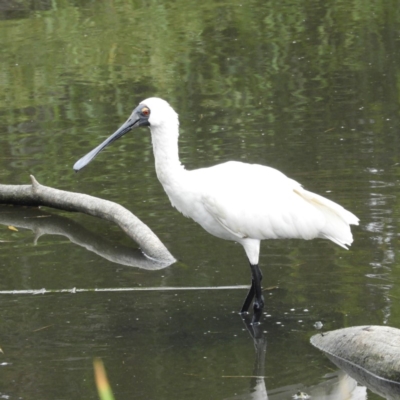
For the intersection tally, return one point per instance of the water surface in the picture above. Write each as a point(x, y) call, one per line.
point(310, 89)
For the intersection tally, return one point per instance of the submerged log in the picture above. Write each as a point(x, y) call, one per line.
point(38, 195)
point(370, 354)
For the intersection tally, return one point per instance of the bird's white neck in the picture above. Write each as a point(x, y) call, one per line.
point(166, 152)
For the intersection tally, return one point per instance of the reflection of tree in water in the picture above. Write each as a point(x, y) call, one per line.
point(17, 9)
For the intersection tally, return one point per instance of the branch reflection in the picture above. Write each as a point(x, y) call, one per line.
point(42, 222)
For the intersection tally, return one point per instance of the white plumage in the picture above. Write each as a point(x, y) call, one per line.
point(235, 201)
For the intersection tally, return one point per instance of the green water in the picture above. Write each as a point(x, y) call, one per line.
point(310, 88)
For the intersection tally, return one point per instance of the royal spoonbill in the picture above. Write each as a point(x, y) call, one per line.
point(235, 201)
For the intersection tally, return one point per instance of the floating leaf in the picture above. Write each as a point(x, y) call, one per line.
point(103, 387)
point(12, 228)
point(1, 351)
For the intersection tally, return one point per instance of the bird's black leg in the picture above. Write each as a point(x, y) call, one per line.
point(249, 298)
point(257, 278)
point(255, 291)
point(259, 298)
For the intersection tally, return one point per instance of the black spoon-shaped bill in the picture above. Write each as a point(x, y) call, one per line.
point(130, 124)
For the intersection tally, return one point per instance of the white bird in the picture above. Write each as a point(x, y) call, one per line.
point(245, 203)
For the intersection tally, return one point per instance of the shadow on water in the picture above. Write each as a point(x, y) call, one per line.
point(45, 223)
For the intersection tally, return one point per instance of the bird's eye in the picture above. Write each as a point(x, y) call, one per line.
point(145, 111)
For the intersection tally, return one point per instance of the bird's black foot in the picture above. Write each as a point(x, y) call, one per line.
point(254, 292)
point(258, 304)
point(257, 308)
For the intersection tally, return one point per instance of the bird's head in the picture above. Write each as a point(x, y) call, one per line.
point(160, 112)
point(153, 112)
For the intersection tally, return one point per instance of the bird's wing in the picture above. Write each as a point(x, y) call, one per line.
point(259, 202)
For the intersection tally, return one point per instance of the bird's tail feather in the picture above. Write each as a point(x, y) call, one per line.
point(338, 220)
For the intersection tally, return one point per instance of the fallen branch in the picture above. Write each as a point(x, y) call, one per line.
point(38, 195)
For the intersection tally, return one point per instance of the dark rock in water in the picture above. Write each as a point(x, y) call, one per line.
point(369, 354)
